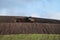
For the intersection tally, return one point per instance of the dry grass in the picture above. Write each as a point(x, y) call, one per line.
point(29, 28)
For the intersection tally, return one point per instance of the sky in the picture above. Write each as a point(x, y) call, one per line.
point(36, 8)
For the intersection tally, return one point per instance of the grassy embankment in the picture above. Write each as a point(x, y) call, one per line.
point(30, 37)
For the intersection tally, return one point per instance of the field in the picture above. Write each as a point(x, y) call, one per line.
point(29, 28)
point(30, 37)
point(29, 31)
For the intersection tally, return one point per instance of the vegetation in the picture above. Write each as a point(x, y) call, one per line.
point(30, 37)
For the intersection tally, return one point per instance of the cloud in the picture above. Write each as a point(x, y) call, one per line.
point(17, 12)
point(34, 15)
point(13, 12)
point(4, 11)
point(11, 3)
point(55, 15)
point(3, 14)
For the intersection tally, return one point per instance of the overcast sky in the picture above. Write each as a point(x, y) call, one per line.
point(35, 8)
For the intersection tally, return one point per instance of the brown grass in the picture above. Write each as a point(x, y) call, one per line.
point(29, 28)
